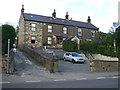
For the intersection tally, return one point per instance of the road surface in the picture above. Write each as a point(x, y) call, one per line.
point(101, 82)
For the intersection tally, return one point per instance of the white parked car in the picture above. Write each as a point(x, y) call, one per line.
point(74, 57)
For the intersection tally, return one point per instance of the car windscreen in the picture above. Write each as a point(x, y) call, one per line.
point(75, 55)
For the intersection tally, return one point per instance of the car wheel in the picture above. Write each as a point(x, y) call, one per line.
point(73, 60)
point(64, 59)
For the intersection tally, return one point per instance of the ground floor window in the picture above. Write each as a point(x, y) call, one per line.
point(33, 39)
point(49, 40)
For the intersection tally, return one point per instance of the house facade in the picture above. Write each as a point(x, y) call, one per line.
point(37, 30)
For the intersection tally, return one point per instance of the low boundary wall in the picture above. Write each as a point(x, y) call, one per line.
point(3, 63)
point(103, 65)
point(51, 65)
point(7, 66)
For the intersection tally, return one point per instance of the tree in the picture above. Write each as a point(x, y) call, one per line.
point(8, 32)
point(117, 38)
point(106, 38)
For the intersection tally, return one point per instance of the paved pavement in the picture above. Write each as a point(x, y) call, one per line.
point(29, 70)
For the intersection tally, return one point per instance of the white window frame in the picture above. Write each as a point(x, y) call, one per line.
point(33, 37)
point(49, 40)
point(92, 33)
point(49, 28)
point(64, 30)
point(79, 32)
point(33, 27)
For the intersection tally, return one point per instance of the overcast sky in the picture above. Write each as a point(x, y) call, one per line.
point(102, 12)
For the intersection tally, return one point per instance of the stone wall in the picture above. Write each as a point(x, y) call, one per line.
point(4, 67)
point(11, 62)
point(37, 34)
point(104, 65)
point(21, 32)
point(3, 64)
point(102, 57)
point(51, 65)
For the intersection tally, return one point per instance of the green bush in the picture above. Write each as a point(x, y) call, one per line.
point(95, 47)
point(70, 46)
point(117, 38)
point(8, 32)
point(88, 46)
point(107, 50)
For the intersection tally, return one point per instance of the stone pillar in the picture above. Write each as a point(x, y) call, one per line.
point(54, 64)
point(11, 64)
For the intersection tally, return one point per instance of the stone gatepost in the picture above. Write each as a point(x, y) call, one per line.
point(11, 62)
point(54, 64)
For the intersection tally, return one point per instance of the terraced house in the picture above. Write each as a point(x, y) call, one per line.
point(37, 30)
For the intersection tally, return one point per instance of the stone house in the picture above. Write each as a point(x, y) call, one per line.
point(38, 30)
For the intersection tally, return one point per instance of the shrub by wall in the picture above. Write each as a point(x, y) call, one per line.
point(88, 46)
point(70, 46)
point(107, 50)
point(95, 47)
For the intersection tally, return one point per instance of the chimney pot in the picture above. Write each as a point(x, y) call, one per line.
point(54, 14)
point(66, 16)
point(22, 10)
point(89, 20)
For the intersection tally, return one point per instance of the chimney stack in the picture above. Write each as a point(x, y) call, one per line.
point(54, 14)
point(22, 10)
point(89, 20)
point(66, 16)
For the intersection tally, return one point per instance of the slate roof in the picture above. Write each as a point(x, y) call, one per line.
point(71, 37)
point(47, 19)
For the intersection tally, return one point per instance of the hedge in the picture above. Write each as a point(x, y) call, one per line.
point(70, 46)
point(89, 47)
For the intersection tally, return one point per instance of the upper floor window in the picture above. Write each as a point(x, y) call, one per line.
point(64, 30)
point(93, 33)
point(33, 27)
point(79, 32)
point(49, 28)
